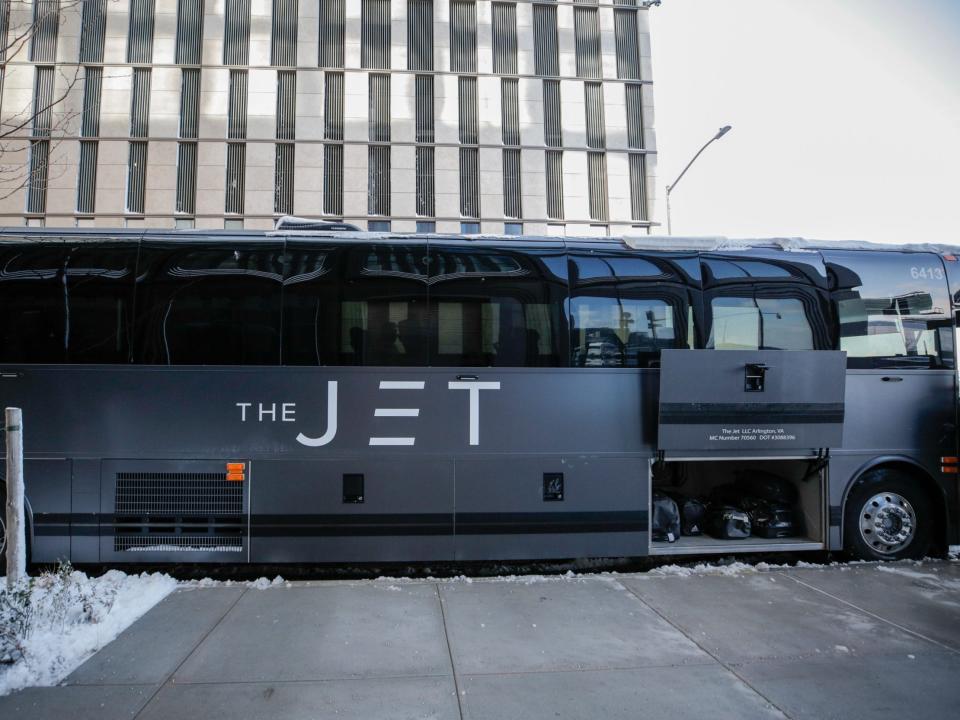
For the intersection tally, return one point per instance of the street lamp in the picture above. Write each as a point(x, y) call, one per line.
point(720, 133)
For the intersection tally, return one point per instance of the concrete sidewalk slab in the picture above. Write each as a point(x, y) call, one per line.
point(155, 645)
point(325, 632)
point(92, 702)
point(925, 600)
point(557, 624)
point(763, 616)
point(366, 699)
point(695, 692)
point(851, 688)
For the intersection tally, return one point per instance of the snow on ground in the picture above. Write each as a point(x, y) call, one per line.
point(50, 624)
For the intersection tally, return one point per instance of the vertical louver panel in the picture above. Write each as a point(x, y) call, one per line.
point(378, 184)
point(140, 32)
point(634, 117)
point(554, 173)
point(37, 180)
point(469, 129)
point(552, 125)
point(283, 195)
point(505, 38)
point(510, 111)
point(332, 25)
point(4, 32)
point(283, 35)
point(189, 32)
point(137, 177)
point(375, 34)
point(463, 36)
point(638, 191)
point(42, 101)
point(237, 108)
point(333, 179)
point(236, 32)
point(424, 109)
point(187, 177)
point(628, 44)
point(419, 34)
point(286, 104)
point(94, 31)
point(469, 183)
point(140, 103)
point(379, 107)
point(87, 176)
point(426, 184)
point(236, 172)
point(546, 51)
point(593, 103)
point(333, 106)
point(512, 207)
point(587, 35)
point(46, 22)
point(92, 89)
point(189, 102)
point(597, 180)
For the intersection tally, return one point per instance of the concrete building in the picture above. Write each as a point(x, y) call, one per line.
point(445, 115)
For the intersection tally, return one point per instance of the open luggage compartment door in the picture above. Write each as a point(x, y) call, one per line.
point(755, 401)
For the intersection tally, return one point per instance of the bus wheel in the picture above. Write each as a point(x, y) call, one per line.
point(888, 517)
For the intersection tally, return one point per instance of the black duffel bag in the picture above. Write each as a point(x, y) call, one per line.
point(727, 522)
point(692, 514)
point(767, 487)
point(665, 523)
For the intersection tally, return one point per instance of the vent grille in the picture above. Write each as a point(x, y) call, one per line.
point(424, 109)
point(237, 111)
point(469, 183)
point(375, 39)
point(597, 179)
point(554, 168)
point(505, 38)
point(638, 194)
point(189, 32)
point(333, 179)
point(140, 32)
point(552, 127)
point(236, 173)
point(510, 111)
point(236, 33)
point(378, 184)
point(512, 207)
point(587, 33)
point(546, 51)
point(87, 176)
point(469, 127)
point(46, 23)
point(155, 542)
point(426, 193)
point(94, 31)
point(187, 177)
point(157, 495)
point(283, 45)
point(628, 45)
point(634, 117)
point(333, 106)
point(593, 102)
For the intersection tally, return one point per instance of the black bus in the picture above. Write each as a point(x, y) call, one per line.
point(335, 396)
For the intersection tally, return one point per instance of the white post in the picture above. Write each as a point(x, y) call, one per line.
point(16, 524)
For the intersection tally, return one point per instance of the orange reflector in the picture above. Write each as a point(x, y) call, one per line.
point(950, 258)
point(949, 460)
point(950, 469)
point(235, 477)
point(236, 467)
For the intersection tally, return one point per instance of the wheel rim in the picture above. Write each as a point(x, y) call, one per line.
point(888, 523)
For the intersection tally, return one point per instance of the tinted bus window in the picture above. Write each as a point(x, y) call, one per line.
point(206, 303)
point(496, 306)
point(32, 302)
point(355, 304)
point(100, 289)
point(625, 308)
point(893, 308)
point(765, 300)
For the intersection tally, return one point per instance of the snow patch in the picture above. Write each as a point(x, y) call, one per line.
point(50, 624)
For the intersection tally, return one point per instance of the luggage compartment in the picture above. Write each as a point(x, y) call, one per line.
point(736, 484)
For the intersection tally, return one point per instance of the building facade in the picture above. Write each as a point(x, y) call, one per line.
point(403, 115)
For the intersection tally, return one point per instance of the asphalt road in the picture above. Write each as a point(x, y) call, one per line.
point(843, 641)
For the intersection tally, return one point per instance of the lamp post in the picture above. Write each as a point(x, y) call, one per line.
point(720, 133)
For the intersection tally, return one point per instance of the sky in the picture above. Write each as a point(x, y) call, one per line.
point(845, 115)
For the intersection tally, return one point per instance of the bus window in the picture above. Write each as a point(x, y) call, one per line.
point(33, 314)
point(382, 306)
point(99, 287)
point(760, 301)
point(493, 306)
point(892, 307)
point(624, 308)
point(311, 304)
point(205, 303)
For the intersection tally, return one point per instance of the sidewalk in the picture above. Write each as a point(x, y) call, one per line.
point(849, 641)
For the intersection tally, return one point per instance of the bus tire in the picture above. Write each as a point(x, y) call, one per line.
point(889, 516)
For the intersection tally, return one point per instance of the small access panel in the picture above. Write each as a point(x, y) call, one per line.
point(750, 400)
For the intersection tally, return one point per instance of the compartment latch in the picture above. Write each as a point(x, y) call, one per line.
point(755, 375)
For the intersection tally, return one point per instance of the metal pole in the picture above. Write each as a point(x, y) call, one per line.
point(669, 228)
point(720, 133)
point(16, 524)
